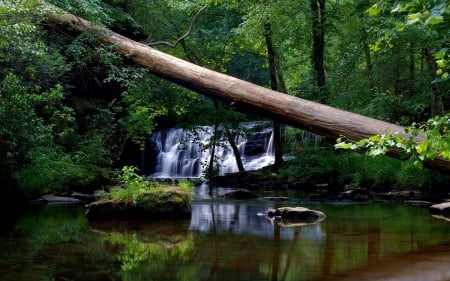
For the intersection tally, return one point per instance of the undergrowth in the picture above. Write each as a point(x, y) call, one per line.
point(132, 184)
point(350, 168)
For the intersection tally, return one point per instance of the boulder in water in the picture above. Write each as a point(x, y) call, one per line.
point(169, 203)
point(296, 215)
point(440, 209)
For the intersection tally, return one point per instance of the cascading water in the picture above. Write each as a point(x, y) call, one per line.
point(179, 156)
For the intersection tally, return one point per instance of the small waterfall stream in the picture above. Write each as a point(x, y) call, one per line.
point(182, 154)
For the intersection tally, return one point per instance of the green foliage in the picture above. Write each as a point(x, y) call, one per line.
point(358, 170)
point(97, 11)
point(23, 52)
point(150, 99)
point(31, 123)
point(51, 137)
point(52, 225)
point(49, 171)
point(309, 167)
point(70, 100)
point(418, 142)
point(431, 16)
point(133, 185)
point(139, 248)
point(34, 128)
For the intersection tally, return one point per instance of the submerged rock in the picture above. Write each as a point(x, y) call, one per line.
point(169, 203)
point(357, 194)
point(418, 203)
point(239, 194)
point(275, 198)
point(53, 199)
point(295, 216)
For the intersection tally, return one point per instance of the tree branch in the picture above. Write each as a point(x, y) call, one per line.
point(188, 32)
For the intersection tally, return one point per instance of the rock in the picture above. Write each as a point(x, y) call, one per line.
point(37, 202)
point(418, 203)
point(299, 214)
point(170, 203)
point(440, 209)
point(401, 195)
point(239, 194)
point(85, 197)
point(358, 194)
point(257, 143)
point(274, 198)
point(53, 199)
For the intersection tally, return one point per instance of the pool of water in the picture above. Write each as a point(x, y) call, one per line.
point(227, 240)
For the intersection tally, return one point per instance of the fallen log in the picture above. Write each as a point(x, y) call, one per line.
point(301, 113)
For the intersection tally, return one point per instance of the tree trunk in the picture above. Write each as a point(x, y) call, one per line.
point(318, 45)
point(368, 57)
point(412, 69)
point(211, 171)
point(273, 70)
point(437, 107)
point(235, 149)
point(301, 113)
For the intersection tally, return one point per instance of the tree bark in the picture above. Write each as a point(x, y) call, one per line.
point(301, 113)
point(318, 45)
point(368, 57)
point(211, 171)
point(235, 149)
point(437, 107)
point(273, 70)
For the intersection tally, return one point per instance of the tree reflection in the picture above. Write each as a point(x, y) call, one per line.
point(146, 249)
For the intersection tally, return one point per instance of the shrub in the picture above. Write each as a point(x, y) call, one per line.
point(344, 168)
point(133, 185)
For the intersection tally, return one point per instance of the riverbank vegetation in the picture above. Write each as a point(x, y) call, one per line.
point(138, 197)
point(132, 186)
point(71, 110)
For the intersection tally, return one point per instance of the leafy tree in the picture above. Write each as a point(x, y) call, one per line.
point(53, 133)
point(318, 24)
point(430, 17)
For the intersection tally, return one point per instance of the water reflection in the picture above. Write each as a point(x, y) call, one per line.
point(227, 240)
point(243, 219)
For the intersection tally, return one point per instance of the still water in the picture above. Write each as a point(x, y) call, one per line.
point(227, 240)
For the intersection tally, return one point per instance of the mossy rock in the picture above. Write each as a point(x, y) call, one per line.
point(168, 203)
point(299, 214)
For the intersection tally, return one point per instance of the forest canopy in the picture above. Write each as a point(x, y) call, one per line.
point(70, 106)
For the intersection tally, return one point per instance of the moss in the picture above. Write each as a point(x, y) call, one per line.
point(165, 203)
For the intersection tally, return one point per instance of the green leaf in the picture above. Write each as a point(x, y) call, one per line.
point(373, 11)
point(421, 147)
point(435, 19)
point(441, 63)
point(343, 145)
point(440, 54)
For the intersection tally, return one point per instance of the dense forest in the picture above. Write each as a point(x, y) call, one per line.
point(72, 110)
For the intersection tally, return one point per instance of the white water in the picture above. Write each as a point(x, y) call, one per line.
point(181, 155)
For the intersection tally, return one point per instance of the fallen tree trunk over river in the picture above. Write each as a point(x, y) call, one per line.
point(304, 114)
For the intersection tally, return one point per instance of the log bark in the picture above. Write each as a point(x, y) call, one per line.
point(301, 113)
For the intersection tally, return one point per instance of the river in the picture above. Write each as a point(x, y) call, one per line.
point(227, 240)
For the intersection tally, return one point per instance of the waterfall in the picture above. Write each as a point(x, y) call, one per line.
point(182, 154)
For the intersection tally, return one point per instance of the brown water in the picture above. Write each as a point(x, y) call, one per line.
point(227, 240)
